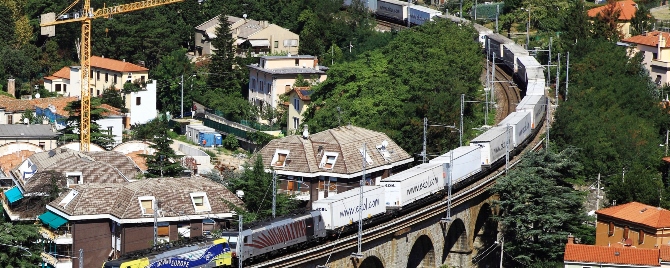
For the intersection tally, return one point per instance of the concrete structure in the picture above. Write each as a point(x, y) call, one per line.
point(275, 75)
point(626, 9)
point(312, 166)
point(141, 105)
point(298, 101)
point(656, 49)
point(259, 37)
point(43, 136)
point(108, 220)
point(633, 224)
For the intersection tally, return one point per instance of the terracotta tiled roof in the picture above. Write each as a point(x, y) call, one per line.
point(665, 253)
point(603, 254)
point(639, 213)
point(62, 102)
point(115, 65)
point(305, 155)
point(13, 160)
point(303, 93)
point(172, 195)
point(627, 10)
point(63, 73)
point(15, 105)
point(649, 39)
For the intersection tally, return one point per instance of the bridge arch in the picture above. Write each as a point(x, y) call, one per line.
point(371, 262)
point(422, 253)
point(456, 239)
point(484, 237)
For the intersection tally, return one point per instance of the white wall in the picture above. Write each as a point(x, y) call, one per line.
point(74, 89)
point(116, 122)
point(147, 109)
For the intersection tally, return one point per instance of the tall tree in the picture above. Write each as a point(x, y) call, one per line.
point(164, 162)
point(6, 26)
point(113, 97)
point(642, 21)
point(225, 77)
point(539, 208)
point(168, 73)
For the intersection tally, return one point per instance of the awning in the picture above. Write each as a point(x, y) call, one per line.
point(13, 194)
point(259, 43)
point(53, 220)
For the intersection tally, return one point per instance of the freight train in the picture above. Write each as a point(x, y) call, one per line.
point(404, 191)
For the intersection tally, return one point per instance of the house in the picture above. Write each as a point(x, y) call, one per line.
point(331, 161)
point(36, 176)
point(626, 9)
point(58, 82)
point(275, 75)
point(43, 136)
point(108, 220)
point(11, 109)
point(260, 37)
point(634, 225)
point(656, 49)
point(298, 101)
point(582, 256)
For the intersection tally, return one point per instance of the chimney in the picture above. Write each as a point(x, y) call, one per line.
point(11, 86)
point(316, 63)
point(571, 239)
point(124, 60)
point(305, 132)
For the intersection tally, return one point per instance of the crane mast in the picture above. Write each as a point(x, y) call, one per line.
point(86, 17)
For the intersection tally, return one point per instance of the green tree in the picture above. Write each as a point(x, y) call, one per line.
point(32, 118)
point(6, 26)
point(71, 131)
point(164, 162)
point(257, 186)
point(168, 74)
point(113, 97)
point(641, 21)
point(301, 82)
point(539, 208)
point(226, 78)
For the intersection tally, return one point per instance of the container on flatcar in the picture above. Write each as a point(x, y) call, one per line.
point(521, 126)
point(494, 44)
point(392, 9)
point(413, 184)
point(511, 52)
point(493, 144)
point(535, 87)
point(529, 69)
point(342, 209)
point(536, 105)
point(466, 162)
point(419, 15)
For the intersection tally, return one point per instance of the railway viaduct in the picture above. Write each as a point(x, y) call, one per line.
point(430, 242)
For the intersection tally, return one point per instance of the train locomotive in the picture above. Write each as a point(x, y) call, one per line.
point(214, 253)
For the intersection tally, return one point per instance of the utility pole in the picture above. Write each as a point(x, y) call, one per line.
point(423, 153)
point(502, 250)
point(359, 254)
point(81, 258)
point(274, 194)
point(551, 39)
point(475, 7)
point(493, 76)
point(332, 55)
point(182, 96)
point(460, 13)
point(558, 77)
point(667, 132)
point(547, 120)
point(497, 13)
point(507, 151)
point(155, 208)
point(597, 198)
point(240, 243)
point(409, 18)
point(567, 74)
point(460, 130)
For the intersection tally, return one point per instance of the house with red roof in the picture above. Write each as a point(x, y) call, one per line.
point(633, 225)
point(581, 256)
point(656, 49)
point(58, 82)
point(626, 9)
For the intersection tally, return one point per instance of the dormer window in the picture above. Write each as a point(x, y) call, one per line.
point(279, 159)
point(366, 155)
point(71, 195)
point(328, 160)
point(74, 178)
point(147, 204)
point(200, 202)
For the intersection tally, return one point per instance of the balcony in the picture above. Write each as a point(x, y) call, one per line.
point(60, 237)
point(660, 64)
point(57, 262)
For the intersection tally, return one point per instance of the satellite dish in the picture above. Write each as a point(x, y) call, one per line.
point(385, 143)
point(25, 121)
point(244, 16)
point(37, 95)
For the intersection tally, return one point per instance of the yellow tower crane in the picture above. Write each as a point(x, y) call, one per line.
point(86, 15)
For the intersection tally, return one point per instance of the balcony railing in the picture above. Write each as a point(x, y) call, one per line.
point(661, 64)
point(59, 236)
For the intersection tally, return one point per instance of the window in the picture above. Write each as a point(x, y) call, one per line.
point(138, 101)
point(262, 89)
point(97, 92)
point(10, 119)
point(253, 84)
point(640, 237)
point(142, 79)
point(296, 122)
point(296, 104)
point(115, 80)
point(269, 87)
point(91, 75)
point(658, 80)
point(328, 160)
point(57, 87)
point(280, 157)
point(276, 44)
point(109, 129)
point(98, 75)
point(611, 229)
point(366, 155)
point(42, 145)
point(200, 201)
point(147, 204)
point(297, 62)
point(626, 230)
point(74, 178)
point(654, 56)
point(64, 88)
point(106, 77)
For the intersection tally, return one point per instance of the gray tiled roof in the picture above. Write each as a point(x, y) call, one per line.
point(306, 154)
point(172, 195)
point(249, 28)
point(118, 160)
point(288, 70)
point(214, 22)
point(27, 131)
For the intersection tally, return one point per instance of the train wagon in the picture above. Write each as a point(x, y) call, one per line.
point(465, 163)
point(511, 52)
point(343, 209)
point(413, 184)
point(521, 126)
point(529, 69)
point(483, 31)
point(290, 232)
point(418, 15)
point(536, 105)
point(535, 87)
point(494, 44)
point(493, 144)
point(214, 253)
point(392, 10)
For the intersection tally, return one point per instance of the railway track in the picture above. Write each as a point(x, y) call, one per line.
point(506, 90)
point(388, 26)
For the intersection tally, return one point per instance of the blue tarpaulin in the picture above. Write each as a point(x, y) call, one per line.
point(13, 194)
